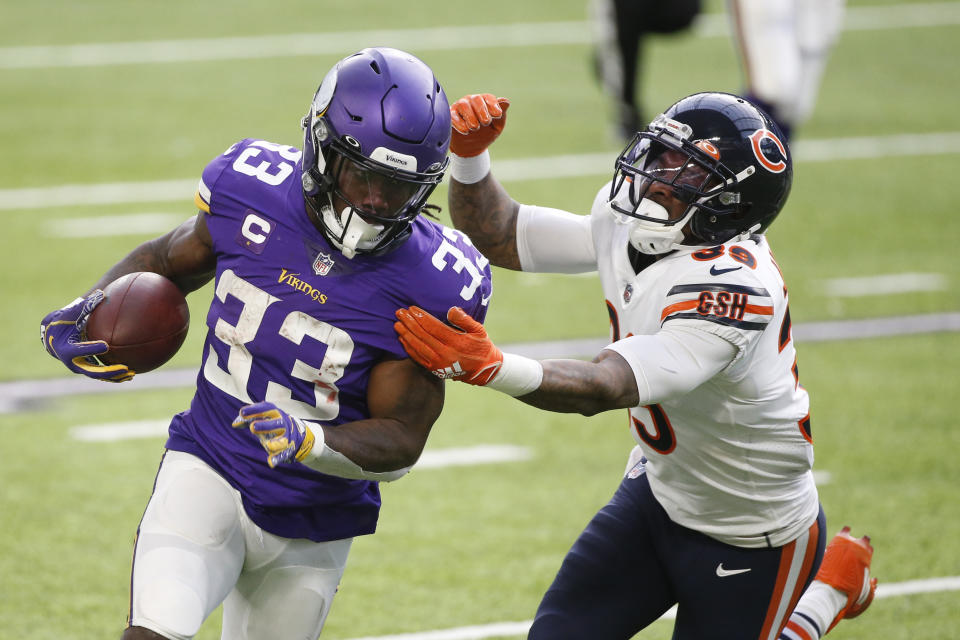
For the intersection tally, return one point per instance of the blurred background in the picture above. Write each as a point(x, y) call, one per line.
point(110, 110)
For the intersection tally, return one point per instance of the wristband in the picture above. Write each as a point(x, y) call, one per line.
point(518, 375)
point(470, 170)
point(327, 460)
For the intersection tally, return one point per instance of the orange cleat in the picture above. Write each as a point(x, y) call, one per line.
point(846, 567)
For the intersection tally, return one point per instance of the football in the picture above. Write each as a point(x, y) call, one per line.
point(143, 318)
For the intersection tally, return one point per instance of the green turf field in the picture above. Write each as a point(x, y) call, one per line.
point(473, 545)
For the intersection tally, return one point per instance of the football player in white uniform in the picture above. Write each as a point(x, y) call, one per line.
point(621, 30)
point(718, 511)
point(784, 46)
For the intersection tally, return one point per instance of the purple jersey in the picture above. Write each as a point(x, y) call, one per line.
point(295, 323)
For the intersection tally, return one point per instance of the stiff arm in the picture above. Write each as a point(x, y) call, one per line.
point(631, 372)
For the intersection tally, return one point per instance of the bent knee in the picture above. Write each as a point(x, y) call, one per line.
point(299, 596)
point(168, 608)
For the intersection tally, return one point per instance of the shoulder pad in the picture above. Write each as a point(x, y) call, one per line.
point(255, 164)
point(211, 174)
point(459, 275)
point(720, 285)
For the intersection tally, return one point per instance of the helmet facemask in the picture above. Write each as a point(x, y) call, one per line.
point(663, 157)
point(368, 205)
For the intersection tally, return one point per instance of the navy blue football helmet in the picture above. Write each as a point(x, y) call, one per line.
point(734, 173)
point(375, 148)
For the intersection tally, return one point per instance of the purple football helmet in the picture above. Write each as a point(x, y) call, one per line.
point(375, 147)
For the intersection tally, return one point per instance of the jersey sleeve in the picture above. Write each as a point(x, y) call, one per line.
point(204, 197)
point(473, 281)
point(449, 272)
point(674, 361)
point(721, 297)
point(554, 241)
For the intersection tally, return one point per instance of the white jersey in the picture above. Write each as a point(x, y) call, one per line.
point(731, 458)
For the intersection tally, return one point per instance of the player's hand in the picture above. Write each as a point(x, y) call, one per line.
point(286, 439)
point(477, 121)
point(61, 332)
point(464, 352)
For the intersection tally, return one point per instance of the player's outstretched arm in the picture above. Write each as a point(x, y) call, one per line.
point(465, 352)
point(404, 401)
point(184, 255)
point(479, 205)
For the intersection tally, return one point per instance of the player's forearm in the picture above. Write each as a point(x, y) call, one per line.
point(145, 257)
point(588, 388)
point(488, 215)
point(180, 255)
point(375, 445)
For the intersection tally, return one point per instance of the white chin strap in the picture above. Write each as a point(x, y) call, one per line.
point(359, 234)
point(653, 238)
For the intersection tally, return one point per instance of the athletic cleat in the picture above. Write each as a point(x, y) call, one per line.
point(846, 567)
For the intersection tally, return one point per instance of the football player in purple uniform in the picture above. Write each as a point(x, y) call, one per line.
point(717, 512)
point(305, 399)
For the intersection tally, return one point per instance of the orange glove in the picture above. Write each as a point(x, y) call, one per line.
point(477, 121)
point(464, 352)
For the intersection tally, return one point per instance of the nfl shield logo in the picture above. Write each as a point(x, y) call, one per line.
point(627, 293)
point(322, 265)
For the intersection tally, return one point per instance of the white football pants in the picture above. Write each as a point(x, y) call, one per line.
point(784, 45)
point(197, 548)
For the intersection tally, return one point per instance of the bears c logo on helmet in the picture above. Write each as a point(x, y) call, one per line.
point(776, 164)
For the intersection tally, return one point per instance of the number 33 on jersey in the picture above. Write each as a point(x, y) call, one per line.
point(292, 320)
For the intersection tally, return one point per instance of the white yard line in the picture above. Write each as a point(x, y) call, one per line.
point(75, 195)
point(517, 170)
point(885, 284)
point(472, 456)
point(431, 458)
point(118, 431)
point(510, 629)
point(446, 38)
point(119, 225)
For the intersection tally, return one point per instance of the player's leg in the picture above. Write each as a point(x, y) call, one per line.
point(189, 551)
point(611, 584)
point(617, 33)
point(619, 27)
point(766, 38)
point(842, 589)
point(734, 592)
point(286, 587)
point(818, 24)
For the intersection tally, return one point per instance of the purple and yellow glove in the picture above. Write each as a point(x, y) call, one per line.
point(61, 332)
point(286, 439)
